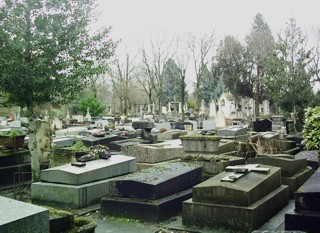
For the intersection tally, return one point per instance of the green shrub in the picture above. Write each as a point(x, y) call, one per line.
point(312, 128)
point(96, 107)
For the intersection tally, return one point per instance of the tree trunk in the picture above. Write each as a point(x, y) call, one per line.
point(39, 144)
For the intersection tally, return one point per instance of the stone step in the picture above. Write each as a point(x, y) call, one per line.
point(94, 170)
point(157, 182)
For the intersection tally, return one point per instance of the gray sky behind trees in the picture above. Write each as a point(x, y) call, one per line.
point(138, 21)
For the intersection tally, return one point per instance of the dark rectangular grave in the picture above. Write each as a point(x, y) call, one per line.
point(261, 125)
point(17, 216)
point(159, 190)
point(312, 157)
point(306, 215)
point(105, 140)
point(241, 198)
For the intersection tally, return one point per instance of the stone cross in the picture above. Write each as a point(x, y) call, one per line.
point(239, 171)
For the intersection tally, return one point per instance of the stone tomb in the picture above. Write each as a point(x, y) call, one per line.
point(152, 194)
point(306, 215)
point(312, 157)
point(155, 153)
point(294, 172)
point(233, 132)
point(240, 198)
point(79, 187)
point(105, 140)
point(17, 216)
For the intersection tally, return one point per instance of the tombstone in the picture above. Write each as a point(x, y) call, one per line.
point(184, 126)
point(60, 142)
point(149, 108)
point(104, 140)
point(79, 187)
point(306, 215)
point(80, 118)
point(180, 108)
point(153, 108)
point(17, 216)
point(164, 110)
point(70, 131)
point(261, 126)
point(88, 116)
point(68, 114)
point(212, 109)
point(57, 123)
point(152, 194)
point(141, 111)
point(220, 120)
point(209, 125)
point(169, 106)
point(241, 198)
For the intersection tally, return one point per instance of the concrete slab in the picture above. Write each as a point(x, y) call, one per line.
point(17, 216)
point(93, 171)
point(63, 141)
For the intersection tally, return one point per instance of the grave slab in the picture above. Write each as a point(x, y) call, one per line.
point(232, 131)
point(17, 216)
point(172, 134)
point(105, 140)
point(142, 209)
point(70, 131)
point(307, 222)
point(312, 157)
point(244, 192)
point(154, 153)
point(237, 218)
point(63, 141)
point(93, 171)
point(156, 182)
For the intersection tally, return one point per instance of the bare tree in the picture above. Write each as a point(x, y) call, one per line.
point(122, 77)
point(145, 82)
point(200, 52)
point(154, 64)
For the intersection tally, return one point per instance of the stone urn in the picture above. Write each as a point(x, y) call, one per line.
point(200, 143)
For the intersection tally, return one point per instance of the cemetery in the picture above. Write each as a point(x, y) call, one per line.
point(91, 142)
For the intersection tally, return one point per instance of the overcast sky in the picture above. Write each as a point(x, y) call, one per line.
point(136, 20)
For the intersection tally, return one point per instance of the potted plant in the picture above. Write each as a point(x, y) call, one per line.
point(12, 139)
point(200, 143)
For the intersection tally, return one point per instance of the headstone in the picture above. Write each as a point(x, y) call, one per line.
point(180, 108)
point(79, 187)
point(88, 116)
point(164, 110)
point(241, 205)
point(209, 125)
point(153, 108)
point(17, 216)
point(152, 194)
point(306, 215)
point(212, 109)
point(57, 123)
point(220, 120)
point(80, 118)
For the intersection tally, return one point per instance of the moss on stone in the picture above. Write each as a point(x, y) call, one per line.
point(201, 137)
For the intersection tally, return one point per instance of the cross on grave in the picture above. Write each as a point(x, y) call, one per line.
point(239, 171)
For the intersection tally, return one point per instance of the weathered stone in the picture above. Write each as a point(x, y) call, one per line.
point(289, 167)
point(244, 192)
point(312, 157)
point(237, 218)
point(232, 131)
point(71, 196)
point(154, 153)
point(143, 124)
point(172, 134)
point(70, 131)
point(93, 171)
point(17, 216)
point(142, 209)
point(156, 182)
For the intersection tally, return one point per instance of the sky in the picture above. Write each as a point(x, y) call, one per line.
point(137, 21)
